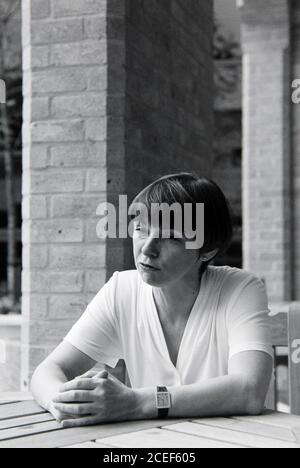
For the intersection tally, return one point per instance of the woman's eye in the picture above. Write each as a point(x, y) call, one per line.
point(140, 229)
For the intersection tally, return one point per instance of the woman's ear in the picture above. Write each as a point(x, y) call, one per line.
point(208, 255)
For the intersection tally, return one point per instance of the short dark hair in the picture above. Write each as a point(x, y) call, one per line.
point(189, 188)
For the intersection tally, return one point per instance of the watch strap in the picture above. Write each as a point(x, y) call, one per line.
point(162, 412)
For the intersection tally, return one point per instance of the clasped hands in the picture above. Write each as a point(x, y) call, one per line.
point(93, 398)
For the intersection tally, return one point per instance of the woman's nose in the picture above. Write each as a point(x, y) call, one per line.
point(151, 246)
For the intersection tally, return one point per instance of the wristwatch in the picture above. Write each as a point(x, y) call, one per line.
point(163, 401)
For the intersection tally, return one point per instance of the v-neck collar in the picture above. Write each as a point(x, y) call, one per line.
point(200, 296)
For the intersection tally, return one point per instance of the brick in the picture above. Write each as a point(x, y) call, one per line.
point(116, 28)
point(35, 156)
point(115, 106)
point(34, 257)
point(95, 27)
point(96, 129)
point(58, 230)
point(34, 207)
point(116, 53)
point(85, 206)
point(85, 105)
point(58, 80)
point(39, 9)
point(115, 129)
point(53, 181)
point(40, 57)
point(97, 78)
point(116, 8)
point(96, 180)
point(86, 52)
point(39, 108)
point(66, 257)
point(63, 8)
point(47, 332)
point(90, 154)
point(56, 282)
point(91, 235)
point(35, 305)
point(94, 280)
point(57, 130)
point(67, 306)
point(49, 32)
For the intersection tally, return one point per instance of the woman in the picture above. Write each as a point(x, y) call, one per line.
point(197, 330)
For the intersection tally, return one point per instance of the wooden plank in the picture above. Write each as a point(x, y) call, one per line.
point(158, 438)
point(71, 436)
point(29, 430)
point(7, 402)
point(22, 408)
point(283, 420)
point(16, 396)
point(92, 445)
point(294, 357)
point(231, 436)
point(17, 422)
point(265, 430)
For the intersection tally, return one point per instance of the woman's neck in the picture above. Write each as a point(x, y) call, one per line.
point(175, 301)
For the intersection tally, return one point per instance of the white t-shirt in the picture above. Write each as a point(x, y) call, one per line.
point(230, 315)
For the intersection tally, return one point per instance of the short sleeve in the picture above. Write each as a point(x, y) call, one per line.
point(247, 318)
point(96, 332)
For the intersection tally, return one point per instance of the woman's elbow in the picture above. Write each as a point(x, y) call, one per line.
point(35, 379)
point(255, 401)
point(254, 408)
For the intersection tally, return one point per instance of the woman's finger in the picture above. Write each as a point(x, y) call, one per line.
point(79, 409)
point(78, 384)
point(74, 396)
point(101, 375)
point(87, 375)
point(87, 421)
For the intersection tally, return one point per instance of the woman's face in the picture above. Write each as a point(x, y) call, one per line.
point(170, 259)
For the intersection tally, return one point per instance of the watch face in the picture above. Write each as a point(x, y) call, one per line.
point(163, 400)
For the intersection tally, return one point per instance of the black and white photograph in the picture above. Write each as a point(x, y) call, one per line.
point(149, 226)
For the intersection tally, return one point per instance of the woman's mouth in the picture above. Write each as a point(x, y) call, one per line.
point(148, 267)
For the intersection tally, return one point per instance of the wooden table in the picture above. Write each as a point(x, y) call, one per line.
point(24, 424)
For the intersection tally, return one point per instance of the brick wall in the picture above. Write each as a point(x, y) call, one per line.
point(267, 242)
point(169, 90)
point(227, 142)
point(65, 81)
point(116, 93)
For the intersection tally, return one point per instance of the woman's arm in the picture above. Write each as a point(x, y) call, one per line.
point(65, 363)
point(242, 391)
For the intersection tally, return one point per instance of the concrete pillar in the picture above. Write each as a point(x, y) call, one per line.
point(267, 195)
point(116, 93)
